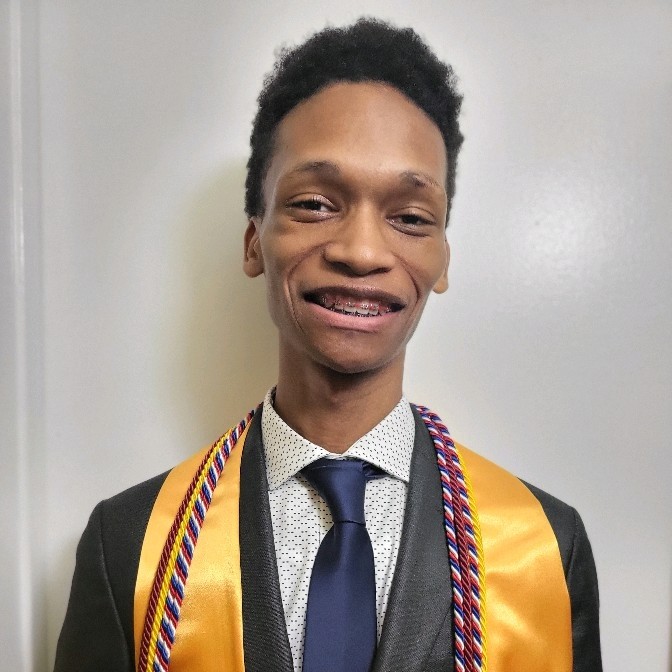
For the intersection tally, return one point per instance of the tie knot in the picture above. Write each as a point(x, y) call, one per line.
point(342, 484)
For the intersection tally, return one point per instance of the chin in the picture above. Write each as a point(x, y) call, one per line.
point(354, 363)
point(350, 368)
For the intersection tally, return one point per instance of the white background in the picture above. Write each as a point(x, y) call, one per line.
point(130, 337)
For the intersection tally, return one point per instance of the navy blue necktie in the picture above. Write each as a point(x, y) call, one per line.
point(341, 615)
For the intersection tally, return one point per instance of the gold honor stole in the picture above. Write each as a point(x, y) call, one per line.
point(525, 613)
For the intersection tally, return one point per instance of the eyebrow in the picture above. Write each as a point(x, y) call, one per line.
point(328, 168)
point(413, 178)
point(419, 179)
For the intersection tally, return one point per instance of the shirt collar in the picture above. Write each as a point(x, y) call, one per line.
point(388, 446)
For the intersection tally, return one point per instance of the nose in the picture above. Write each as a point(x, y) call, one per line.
point(361, 246)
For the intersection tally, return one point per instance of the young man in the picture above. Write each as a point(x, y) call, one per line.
point(339, 528)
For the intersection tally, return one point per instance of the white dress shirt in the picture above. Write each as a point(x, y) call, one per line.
point(301, 518)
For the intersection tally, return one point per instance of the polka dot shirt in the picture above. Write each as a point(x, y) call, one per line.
point(301, 517)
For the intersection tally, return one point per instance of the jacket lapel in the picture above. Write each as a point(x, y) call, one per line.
point(417, 631)
point(264, 631)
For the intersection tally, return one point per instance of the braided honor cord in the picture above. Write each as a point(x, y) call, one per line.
point(465, 549)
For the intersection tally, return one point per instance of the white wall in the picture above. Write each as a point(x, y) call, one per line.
point(130, 336)
point(23, 579)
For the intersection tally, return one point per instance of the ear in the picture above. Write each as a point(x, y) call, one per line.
point(442, 283)
point(253, 260)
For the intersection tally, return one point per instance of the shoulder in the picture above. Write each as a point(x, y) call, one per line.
point(579, 569)
point(563, 519)
point(98, 628)
point(119, 524)
point(126, 514)
point(121, 521)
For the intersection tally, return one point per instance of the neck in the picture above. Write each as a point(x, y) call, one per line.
point(333, 409)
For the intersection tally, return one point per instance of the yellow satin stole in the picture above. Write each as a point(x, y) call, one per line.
point(528, 615)
point(527, 608)
point(210, 632)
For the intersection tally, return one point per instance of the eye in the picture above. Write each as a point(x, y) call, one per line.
point(310, 208)
point(313, 203)
point(412, 221)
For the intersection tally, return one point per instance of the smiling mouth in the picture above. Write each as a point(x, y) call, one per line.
point(355, 306)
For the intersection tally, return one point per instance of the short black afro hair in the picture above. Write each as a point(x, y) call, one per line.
point(368, 50)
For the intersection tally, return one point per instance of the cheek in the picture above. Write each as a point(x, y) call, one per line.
point(277, 269)
point(427, 269)
point(287, 255)
point(276, 303)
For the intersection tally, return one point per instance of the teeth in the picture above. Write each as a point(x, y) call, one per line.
point(348, 307)
point(352, 307)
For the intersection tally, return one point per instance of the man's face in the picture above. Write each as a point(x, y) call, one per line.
point(353, 236)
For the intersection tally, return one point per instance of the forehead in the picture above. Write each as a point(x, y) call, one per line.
point(361, 127)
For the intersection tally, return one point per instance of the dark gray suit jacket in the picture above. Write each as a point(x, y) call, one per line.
point(97, 635)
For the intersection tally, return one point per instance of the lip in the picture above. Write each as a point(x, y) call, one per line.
point(338, 320)
point(368, 325)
